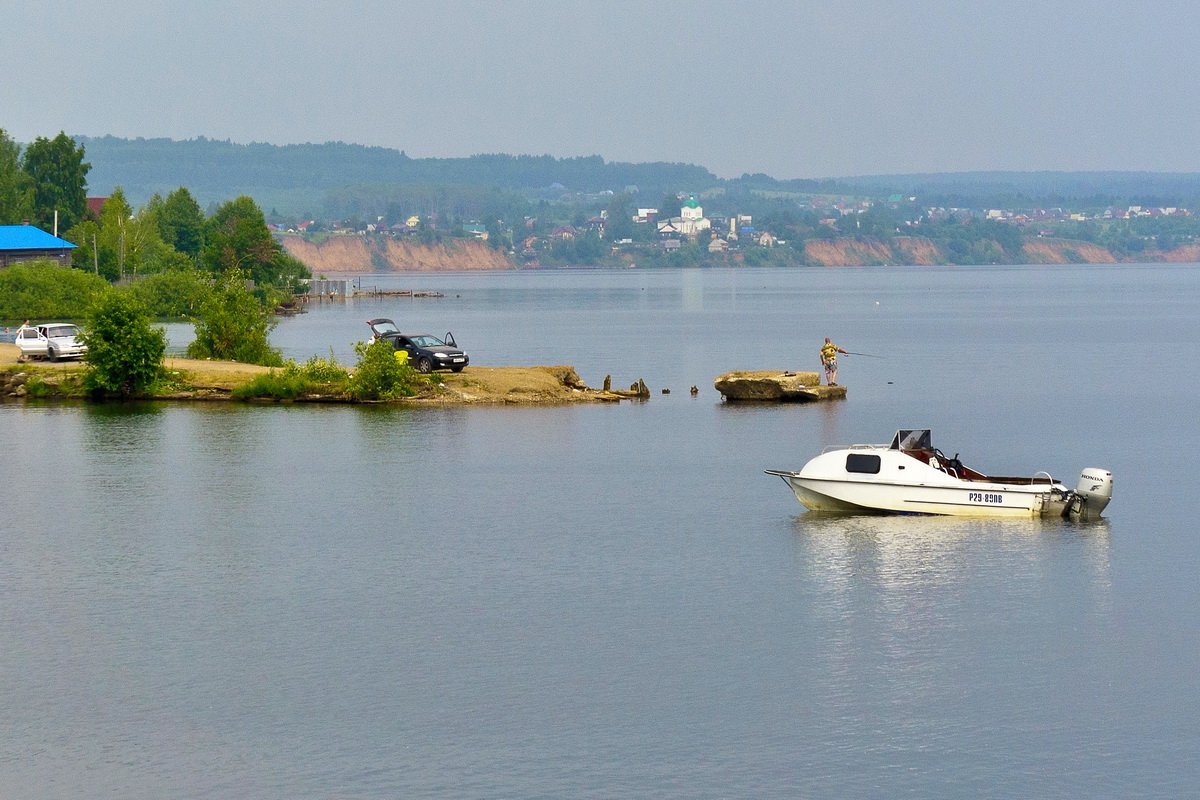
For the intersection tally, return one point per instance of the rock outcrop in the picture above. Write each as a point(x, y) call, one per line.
point(775, 387)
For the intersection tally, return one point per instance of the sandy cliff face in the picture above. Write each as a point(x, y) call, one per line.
point(1186, 254)
point(846, 253)
point(357, 254)
point(1065, 251)
point(914, 250)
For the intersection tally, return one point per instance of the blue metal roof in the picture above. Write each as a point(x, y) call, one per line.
point(27, 237)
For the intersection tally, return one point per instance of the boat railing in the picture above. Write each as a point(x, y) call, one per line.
point(1049, 477)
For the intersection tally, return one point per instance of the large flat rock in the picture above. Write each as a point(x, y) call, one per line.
point(775, 386)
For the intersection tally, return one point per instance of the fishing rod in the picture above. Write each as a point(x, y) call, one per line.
point(868, 355)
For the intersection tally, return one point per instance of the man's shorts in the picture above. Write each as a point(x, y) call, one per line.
point(831, 364)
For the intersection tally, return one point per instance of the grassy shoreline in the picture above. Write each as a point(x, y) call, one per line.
point(191, 379)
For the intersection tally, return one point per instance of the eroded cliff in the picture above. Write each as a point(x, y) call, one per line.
point(359, 254)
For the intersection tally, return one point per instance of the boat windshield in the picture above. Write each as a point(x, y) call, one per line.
point(912, 440)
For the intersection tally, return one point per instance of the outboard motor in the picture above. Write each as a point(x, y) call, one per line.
point(1091, 494)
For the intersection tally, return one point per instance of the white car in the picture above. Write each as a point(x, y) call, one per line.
point(52, 340)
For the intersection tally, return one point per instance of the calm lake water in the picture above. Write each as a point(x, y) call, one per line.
point(215, 601)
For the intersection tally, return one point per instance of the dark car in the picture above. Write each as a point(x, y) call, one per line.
point(426, 353)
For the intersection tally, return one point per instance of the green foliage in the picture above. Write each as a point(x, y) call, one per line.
point(45, 290)
point(37, 386)
point(181, 222)
point(585, 249)
point(323, 370)
point(670, 206)
point(122, 244)
point(295, 380)
point(234, 325)
point(174, 293)
point(58, 175)
point(379, 375)
point(619, 224)
point(16, 193)
point(125, 353)
point(236, 237)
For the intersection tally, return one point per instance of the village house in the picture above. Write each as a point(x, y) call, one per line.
point(25, 242)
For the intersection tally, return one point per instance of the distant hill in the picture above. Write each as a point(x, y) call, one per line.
point(315, 179)
point(217, 170)
point(1020, 189)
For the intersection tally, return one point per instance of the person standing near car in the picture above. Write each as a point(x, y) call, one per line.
point(829, 352)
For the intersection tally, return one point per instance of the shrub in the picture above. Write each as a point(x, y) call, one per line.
point(125, 353)
point(177, 293)
point(380, 375)
point(280, 384)
point(294, 380)
point(234, 325)
point(45, 290)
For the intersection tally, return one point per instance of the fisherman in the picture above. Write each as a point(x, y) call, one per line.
point(829, 352)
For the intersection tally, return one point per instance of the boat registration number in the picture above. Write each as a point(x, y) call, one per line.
point(980, 497)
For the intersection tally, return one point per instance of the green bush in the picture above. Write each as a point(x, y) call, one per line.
point(278, 384)
point(234, 325)
point(295, 380)
point(125, 354)
point(380, 375)
point(177, 293)
point(323, 370)
point(45, 290)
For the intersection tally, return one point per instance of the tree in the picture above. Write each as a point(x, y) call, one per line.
point(671, 206)
point(234, 325)
point(58, 176)
point(122, 243)
point(125, 353)
point(237, 238)
point(16, 195)
point(181, 222)
point(619, 224)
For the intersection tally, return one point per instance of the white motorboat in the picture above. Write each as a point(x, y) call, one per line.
point(911, 476)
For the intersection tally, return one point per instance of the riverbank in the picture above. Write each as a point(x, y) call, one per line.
point(192, 379)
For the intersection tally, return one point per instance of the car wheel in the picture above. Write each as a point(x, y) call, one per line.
point(51, 354)
point(424, 366)
point(456, 369)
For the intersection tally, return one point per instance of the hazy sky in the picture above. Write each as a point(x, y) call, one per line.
point(793, 89)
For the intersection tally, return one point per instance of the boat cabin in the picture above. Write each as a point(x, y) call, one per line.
point(919, 445)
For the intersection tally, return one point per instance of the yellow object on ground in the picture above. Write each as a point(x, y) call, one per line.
point(402, 356)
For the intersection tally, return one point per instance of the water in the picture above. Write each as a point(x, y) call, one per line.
point(218, 601)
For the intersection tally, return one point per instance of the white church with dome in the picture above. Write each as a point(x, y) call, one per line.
point(690, 222)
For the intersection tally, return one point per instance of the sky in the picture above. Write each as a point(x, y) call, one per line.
point(794, 89)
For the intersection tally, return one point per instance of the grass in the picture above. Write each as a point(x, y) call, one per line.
point(315, 376)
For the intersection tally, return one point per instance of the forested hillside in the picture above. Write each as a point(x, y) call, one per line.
point(215, 170)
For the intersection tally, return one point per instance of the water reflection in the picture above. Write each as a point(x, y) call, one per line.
point(843, 551)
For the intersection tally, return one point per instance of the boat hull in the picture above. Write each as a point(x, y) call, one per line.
point(985, 500)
